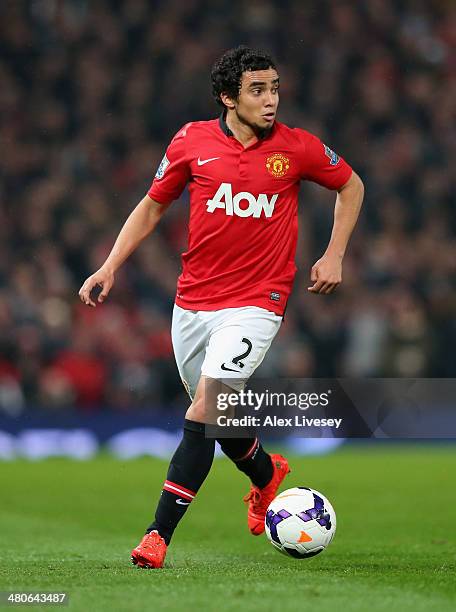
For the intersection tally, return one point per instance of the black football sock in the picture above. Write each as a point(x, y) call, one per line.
point(186, 473)
point(249, 457)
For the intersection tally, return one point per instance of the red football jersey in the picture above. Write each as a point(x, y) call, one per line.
point(243, 210)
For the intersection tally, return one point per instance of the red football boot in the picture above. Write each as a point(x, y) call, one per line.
point(150, 552)
point(259, 499)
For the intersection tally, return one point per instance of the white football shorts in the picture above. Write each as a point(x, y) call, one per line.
point(227, 344)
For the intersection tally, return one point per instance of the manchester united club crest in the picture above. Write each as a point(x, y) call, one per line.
point(277, 165)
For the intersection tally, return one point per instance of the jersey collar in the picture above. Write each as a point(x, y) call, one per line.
point(223, 126)
point(226, 130)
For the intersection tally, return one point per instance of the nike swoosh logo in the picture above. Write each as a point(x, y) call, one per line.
point(181, 502)
point(201, 162)
point(223, 366)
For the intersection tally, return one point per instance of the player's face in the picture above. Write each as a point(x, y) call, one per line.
point(258, 98)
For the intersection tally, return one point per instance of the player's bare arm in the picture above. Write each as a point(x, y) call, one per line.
point(141, 222)
point(326, 273)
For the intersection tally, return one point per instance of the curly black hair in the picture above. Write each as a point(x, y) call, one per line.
point(227, 72)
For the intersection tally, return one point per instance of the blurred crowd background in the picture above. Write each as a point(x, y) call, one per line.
point(90, 95)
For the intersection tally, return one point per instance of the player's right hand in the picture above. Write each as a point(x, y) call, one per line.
point(103, 278)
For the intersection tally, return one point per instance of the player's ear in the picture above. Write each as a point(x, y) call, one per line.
point(227, 101)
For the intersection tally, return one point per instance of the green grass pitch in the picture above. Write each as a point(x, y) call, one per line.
point(69, 526)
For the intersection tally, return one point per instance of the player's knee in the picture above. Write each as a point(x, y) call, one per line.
point(196, 411)
point(198, 408)
point(203, 408)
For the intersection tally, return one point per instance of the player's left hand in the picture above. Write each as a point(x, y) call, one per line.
point(326, 274)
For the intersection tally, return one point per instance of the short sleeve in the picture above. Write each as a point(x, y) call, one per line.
point(173, 173)
point(320, 164)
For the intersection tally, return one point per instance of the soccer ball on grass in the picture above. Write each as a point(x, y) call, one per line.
point(300, 522)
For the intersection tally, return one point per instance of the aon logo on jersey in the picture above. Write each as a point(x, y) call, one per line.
point(251, 206)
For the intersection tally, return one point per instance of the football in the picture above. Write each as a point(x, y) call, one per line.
point(300, 522)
